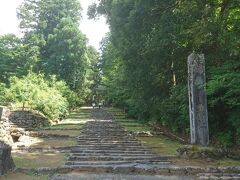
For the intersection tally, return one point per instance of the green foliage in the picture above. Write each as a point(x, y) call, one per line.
point(224, 101)
point(145, 60)
point(174, 110)
point(93, 75)
point(52, 26)
point(52, 45)
point(34, 91)
point(15, 57)
point(2, 93)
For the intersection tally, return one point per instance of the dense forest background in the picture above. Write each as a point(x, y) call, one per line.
point(142, 66)
point(144, 60)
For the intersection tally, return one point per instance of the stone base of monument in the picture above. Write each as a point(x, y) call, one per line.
point(6, 161)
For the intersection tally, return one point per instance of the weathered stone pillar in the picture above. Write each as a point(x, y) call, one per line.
point(197, 99)
point(6, 161)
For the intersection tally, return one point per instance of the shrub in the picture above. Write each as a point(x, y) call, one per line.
point(39, 94)
point(2, 93)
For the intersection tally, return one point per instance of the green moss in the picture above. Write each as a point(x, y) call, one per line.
point(138, 129)
point(63, 126)
point(22, 176)
point(205, 163)
point(161, 144)
point(35, 160)
point(228, 162)
point(46, 143)
point(74, 121)
point(127, 124)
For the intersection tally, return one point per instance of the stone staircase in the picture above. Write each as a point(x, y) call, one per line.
point(103, 143)
point(107, 151)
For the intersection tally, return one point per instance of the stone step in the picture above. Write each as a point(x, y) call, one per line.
point(108, 135)
point(88, 132)
point(126, 138)
point(109, 143)
point(80, 148)
point(116, 158)
point(112, 163)
point(102, 142)
point(110, 154)
point(113, 176)
point(114, 146)
point(94, 134)
point(227, 176)
point(75, 150)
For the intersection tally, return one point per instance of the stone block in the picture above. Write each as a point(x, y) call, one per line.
point(6, 161)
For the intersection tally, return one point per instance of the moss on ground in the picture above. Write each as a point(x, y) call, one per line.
point(228, 162)
point(138, 129)
point(74, 121)
point(22, 176)
point(35, 160)
point(63, 126)
point(206, 162)
point(133, 125)
point(46, 143)
point(161, 144)
point(127, 124)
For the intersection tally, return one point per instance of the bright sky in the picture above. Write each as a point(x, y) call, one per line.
point(95, 30)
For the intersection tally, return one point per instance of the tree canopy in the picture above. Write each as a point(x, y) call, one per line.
point(145, 60)
point(48, 69)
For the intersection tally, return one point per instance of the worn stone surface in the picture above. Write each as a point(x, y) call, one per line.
point(103, 143)
point(27, 119)
point(5, 125)
point(14, 123)
point(219, 176)
point(6, 161)
point(118, 177)
point(197, 99)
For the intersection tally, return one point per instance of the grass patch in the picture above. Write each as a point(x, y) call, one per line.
point(35, 160)
point(163, 145)
point(137, 129)
point(206, 163)
point(128, 123)
point(46, 143)
point(228, 162)
point(63, 126)
point(125, 121)
point(79, 116)
point(22, 176)
point(74, 121)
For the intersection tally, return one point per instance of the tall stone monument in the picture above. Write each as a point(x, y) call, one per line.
point(197, 99)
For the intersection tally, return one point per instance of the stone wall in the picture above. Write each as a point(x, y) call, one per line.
point(14, 123)
point(5, 126)
point(27, 119)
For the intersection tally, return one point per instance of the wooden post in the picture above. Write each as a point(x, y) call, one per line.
point(197, 100)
